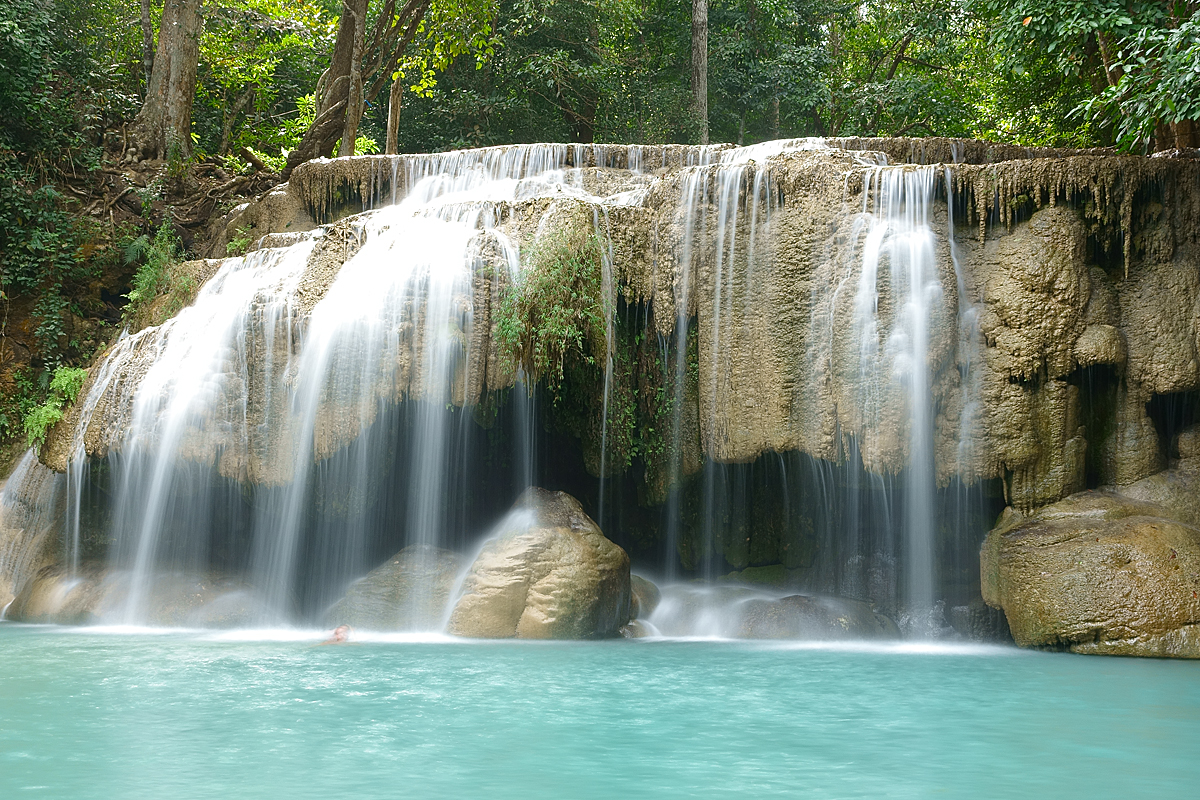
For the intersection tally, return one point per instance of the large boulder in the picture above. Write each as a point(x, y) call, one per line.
point(97, 594)
point(548, 573)
point(410, 591)
point(1101, 572)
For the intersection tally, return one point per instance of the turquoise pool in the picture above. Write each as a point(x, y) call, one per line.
point(88, 713)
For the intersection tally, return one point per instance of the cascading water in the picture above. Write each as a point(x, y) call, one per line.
point(29, 514)
point(888, 256)
point(898, 239)
point(324, 404)
point(284, 383)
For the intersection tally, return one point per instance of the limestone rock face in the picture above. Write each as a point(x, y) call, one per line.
point(548, 574)
point(97, 594)
point(277, 213)
point(1176, 490)
point(1103, 572)
point(29, 514)
point(409, 591)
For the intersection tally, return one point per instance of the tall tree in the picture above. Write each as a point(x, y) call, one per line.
point(395, 98)
point(333, 89)
point(363, 63)
point(163, 127)
point(700, 65)
point(147, 43)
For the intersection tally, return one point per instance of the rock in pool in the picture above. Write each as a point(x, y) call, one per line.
point(549, 573)
point(745, 612)
point(97, 594)
point(1106, 572)
point(409, 591)
point(814, 618)
point(644, 597)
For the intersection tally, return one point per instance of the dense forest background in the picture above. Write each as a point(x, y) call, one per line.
point(126, 128)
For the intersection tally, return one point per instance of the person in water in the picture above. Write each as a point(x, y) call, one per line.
point(341, 635)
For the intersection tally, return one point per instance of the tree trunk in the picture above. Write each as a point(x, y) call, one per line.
point(354, 97)
point(147, 44)
point(1187, 134)
point(330, 122)
point(163, 128)
point(395, 99)
point(700, 66)
point(582, 119)
point(1108, 47)
point(230, 117)
point(775, 117)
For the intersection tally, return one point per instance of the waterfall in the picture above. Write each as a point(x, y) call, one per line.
point(29, 514)
point(899, 239)
point(322, 405)
point(872, 322)
point(260, 383)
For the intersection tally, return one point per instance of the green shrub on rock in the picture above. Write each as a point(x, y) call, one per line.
point(555, 308)
point(64, 388)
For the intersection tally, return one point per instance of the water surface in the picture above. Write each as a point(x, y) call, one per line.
point(88, 713)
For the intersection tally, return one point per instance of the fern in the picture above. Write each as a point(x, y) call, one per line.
point(157, 255)
point(64, 388)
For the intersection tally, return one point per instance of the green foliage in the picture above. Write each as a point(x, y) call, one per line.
point(766, 60)
point(644, 71)
point(363, 146)
point(899, 69)
point(155, 257)
point(1133, 64)
point(451, 28)
point(64, 389)
point(555, 308)
point(177, 164)
point(259, 62)
point(39, 246)
point(15, 405)
point(238, 244)
point(67, 382)
point(1160, 82)
point(58, 89)
point(609, 70)
point(40, 420)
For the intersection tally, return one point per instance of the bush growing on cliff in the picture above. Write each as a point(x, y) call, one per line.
point(64, 388)
point(555, 308)
point(156, 255)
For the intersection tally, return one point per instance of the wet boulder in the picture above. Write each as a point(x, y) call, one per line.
point(745, 612)
point(814, 618)
point(1100, 572)
point(644, 597)
point(96, 594)
point(548, 573)
point(409, 591)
